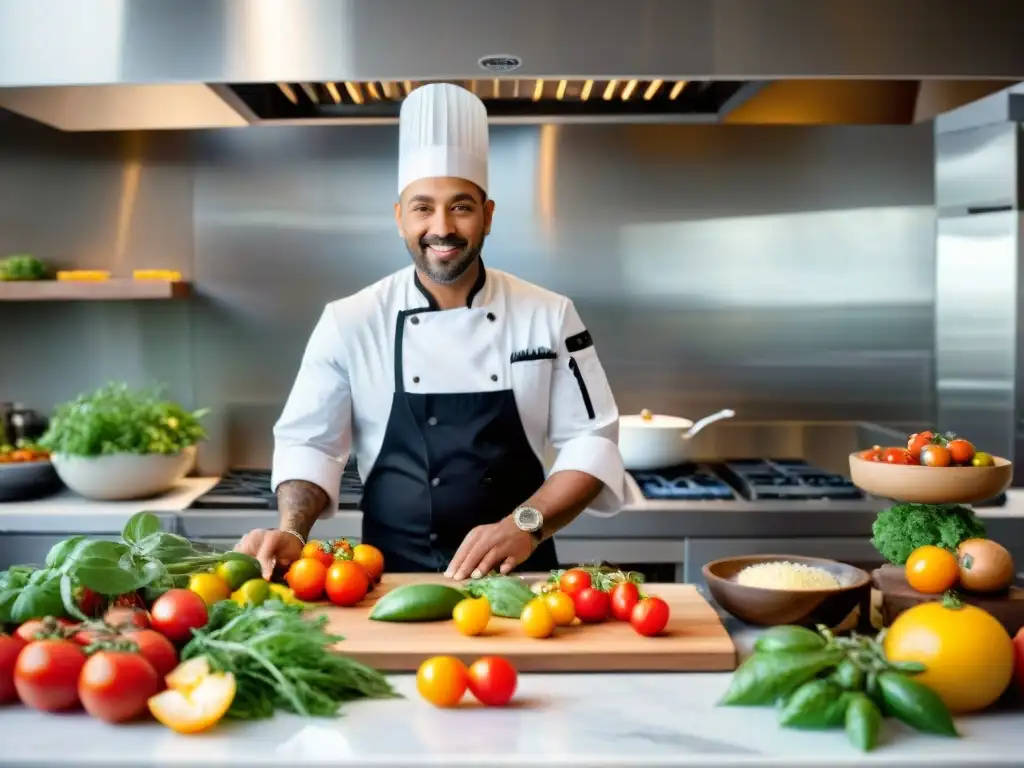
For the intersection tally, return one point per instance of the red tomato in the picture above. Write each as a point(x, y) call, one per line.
point(493, 680)
point(591, 605)
point(917, 442)
point(650, 616)
point(49, 626)
point(115, 686)
point(10, 647)
point(960, 451)
point(872, 454)
point(177, 612)
point(624, 596)
point(157, 650)
point(574, 580)
point(935, 456)
point(307, 577)
point(347, 582)
point(89, 603)
point(319, 550)
point(123, 616)
point(897, 456)
point(46, 674)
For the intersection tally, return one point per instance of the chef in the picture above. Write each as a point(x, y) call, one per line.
point(447, 380)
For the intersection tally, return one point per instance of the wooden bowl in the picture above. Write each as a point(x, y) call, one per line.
point(916, 484)
point(772, 607)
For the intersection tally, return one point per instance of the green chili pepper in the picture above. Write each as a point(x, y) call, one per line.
point(849, 676)
point(915, 704)
point(764, 678)
point(815, 704)
point(863, 722)
point(789, 638)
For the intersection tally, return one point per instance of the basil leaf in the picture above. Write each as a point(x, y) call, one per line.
point(67, 598)
point(108, 578)
point(16, 577)
point(41, 576)
point(165, 547)
point(151, 571)
point(94, 549)
point(60, 551)
point(139, 526)
point(38, 601)
point(508, 595)
point(7, 598)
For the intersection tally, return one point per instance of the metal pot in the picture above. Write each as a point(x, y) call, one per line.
point(651, 441)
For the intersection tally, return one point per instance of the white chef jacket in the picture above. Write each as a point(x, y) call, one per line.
point(341, 398)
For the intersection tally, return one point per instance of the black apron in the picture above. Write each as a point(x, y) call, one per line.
point(449, 462)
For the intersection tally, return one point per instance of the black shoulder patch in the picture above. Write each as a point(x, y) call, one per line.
point(579, 342)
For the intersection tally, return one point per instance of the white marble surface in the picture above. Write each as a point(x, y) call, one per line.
point(563, 720)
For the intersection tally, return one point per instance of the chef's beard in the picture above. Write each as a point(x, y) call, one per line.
point(449, 271)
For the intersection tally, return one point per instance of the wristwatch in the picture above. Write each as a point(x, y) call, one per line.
point(530, 520)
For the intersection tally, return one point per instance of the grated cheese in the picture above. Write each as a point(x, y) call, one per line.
point(786, 575)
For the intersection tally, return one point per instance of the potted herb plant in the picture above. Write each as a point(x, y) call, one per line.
point(122, 443)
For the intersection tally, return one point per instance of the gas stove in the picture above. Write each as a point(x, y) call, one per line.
point(250, 489)
point(745, 479)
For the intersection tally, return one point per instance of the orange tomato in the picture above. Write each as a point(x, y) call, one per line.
point(897, 456)
point(935, 456)
point(960, 450)
point(370, 558)
point(307, 578)
point(931, 569)
point(917, 442)
point(317, 550)
point(347, 582)
point(442, 680)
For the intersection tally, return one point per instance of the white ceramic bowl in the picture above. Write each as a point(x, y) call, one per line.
point(123, 476)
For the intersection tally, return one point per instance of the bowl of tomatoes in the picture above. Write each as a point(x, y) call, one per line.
point(933, 468)
point(26, 473)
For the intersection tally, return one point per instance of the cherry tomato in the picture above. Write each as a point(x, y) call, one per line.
point(46, 674)
point(10, 647)
point(115, 686)
point(935, 456)
point(442, 680)
point(649, 616)
point(33, 627)
point(177, 612)
point(307, 578)
point(318, 550)
point(897, 456)
point(90, 603)
point(960, 451)
point(492, 680)
point(931, 569)
point(123, 616)
point(872, 454)
point(472, 615)
point(157, 650)
point(591, 605)
point(346, 582)
point(563, 611)
point(918, 441)
point(982, 459)
point(536, 619)
point(624, 596)
point(371, 558)
point(574, 580)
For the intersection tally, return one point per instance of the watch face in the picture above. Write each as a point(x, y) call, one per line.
point(528, 519)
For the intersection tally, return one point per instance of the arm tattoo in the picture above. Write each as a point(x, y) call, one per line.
point(300, 504)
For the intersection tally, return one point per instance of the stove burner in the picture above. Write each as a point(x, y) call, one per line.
point(687, 481)
point(788, 479)
point(250, 489)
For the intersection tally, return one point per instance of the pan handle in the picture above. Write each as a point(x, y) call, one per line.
point(725, 413)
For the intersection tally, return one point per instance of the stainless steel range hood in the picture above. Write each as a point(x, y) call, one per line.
point(233, 62)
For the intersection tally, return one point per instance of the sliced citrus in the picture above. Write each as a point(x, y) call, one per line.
point(200, 702)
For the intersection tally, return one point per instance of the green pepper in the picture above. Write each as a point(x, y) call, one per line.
point(849, 676)
point(789, 638)
point(915, 704)
point(764, 678)
point(417, 602)
point(863, 722)
point(815, 704)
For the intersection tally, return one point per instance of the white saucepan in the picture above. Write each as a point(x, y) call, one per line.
point(652, 441)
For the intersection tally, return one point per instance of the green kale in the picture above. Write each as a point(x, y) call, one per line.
point(901, 529)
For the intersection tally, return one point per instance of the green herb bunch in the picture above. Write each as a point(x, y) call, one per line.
point(821, 681)
point(901, 529)
point(118, 419)
point(507, 595)
point(602, 577)
point(282, 660)
point(22, 266)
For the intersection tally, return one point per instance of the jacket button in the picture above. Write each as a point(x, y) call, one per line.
point(435, 482)
point(415, 320)
point(415, 379)
point(432, 421)
point(491, 317)
point(494, 377)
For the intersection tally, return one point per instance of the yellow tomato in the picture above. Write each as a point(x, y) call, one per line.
point(967, 652)
point(471, 615)
point(442, 680)
point(209, 586)
point(196, 698)
point(931, 570)
point(253, 592)
point(563, 611)
point(536, 619)
point(284, 594)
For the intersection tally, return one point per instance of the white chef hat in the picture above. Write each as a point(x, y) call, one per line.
point(442, 131)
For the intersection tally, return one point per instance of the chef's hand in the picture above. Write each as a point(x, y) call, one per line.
point(271, 547)
point(499, 545)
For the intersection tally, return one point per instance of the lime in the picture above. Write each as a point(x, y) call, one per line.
point(253, 592)
point(236, 572)
point(209, 586)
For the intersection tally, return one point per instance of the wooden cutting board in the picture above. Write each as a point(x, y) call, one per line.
point(694, 639)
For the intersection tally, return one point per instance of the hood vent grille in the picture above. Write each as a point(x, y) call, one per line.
point(506, 98)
